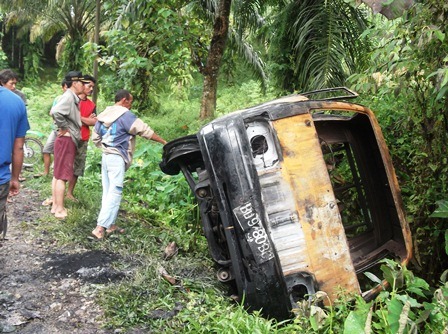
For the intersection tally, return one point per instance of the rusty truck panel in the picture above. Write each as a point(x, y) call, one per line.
point(324, 241)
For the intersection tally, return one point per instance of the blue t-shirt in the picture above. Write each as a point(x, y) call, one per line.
point(13, 124)
point(117, 135)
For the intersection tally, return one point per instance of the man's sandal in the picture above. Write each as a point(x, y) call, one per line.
point(115, 229)
point(47, 202)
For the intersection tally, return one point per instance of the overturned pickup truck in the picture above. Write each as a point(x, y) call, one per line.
point(296, 195)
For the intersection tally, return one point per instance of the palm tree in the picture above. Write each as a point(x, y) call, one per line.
point(76, 18)
point(17, 19)
point(215, 54)
point(226, 34)
point(316, 44)
point(46, 18)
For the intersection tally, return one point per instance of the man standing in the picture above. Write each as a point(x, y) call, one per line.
point(115, 133)
point(49, 144)
point(88, 118)
point(9, 79)
point(13, 127)
point(68, 122)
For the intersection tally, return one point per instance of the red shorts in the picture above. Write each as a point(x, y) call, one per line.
point(64, 158)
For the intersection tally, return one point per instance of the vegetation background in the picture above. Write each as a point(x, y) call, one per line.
point(167, 53)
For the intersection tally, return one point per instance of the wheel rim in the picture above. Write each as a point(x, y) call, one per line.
point(32, 154)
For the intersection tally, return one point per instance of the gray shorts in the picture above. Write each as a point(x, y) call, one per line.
point(4, 191)
point(80, 158)
point(49, 145)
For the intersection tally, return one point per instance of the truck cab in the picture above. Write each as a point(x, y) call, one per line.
point(296, 195)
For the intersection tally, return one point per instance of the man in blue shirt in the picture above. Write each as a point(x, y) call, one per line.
point(115, 133)
point(13, 127)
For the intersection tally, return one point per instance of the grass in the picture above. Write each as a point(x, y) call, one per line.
point(157, 209)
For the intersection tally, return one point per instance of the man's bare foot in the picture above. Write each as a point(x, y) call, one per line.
point(98, 232)
point(71, 198)
point(61, 214)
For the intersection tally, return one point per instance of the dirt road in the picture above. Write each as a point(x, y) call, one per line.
point(45, 288)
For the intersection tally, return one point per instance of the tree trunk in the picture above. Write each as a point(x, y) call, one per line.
point(211, 70)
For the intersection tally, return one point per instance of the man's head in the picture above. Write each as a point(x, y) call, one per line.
point(124, 98)
point(89, 84)
point(74, 81)
point(8, 79)
point(64, 85)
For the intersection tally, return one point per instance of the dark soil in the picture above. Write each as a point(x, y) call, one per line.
point(45, 288)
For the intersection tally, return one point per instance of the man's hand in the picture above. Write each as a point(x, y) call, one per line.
point(158, 139)
point(62, 132)
point(14, 186)
point(89, 121)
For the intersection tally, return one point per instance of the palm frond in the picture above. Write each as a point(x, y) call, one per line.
point(249, 55)
point(247, 14)
point(318, 44)
point(204, 8)
point(44, 29)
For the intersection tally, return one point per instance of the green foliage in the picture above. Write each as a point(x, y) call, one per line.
point(406, 84)
point(240, 96)
point(405, 307)
point(441, 211)
point(162, 199)
point(218, 316)
point(73, 56)
point(177, 117)
point(3, 59)
point(32, 61)
point(39, 21)
point(158, 209)
point(148, 51)
point(39, 105)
